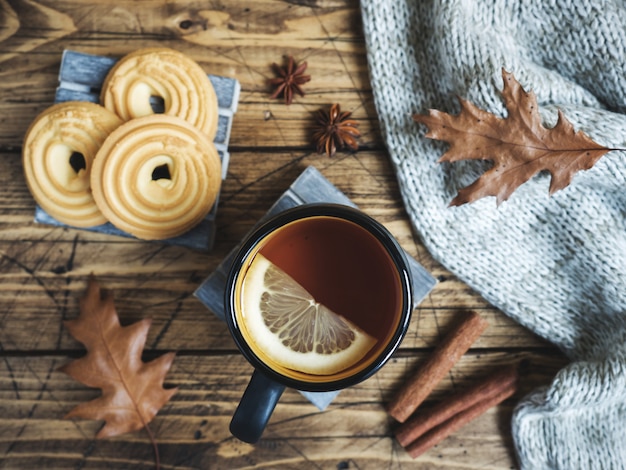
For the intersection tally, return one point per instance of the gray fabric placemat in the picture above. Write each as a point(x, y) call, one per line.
point(309, 187)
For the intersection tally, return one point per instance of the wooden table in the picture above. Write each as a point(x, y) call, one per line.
point(44, 270)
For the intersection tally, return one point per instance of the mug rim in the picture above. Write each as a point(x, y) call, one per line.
point(391, 246)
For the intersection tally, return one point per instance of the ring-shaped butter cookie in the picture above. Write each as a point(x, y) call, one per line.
point(166, 74)
point(58, 152)
point(156, 177)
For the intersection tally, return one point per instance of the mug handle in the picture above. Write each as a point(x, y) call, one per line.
point(255, 408)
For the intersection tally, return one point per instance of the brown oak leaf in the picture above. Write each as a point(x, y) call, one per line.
point(519, 145)
point(132, 390)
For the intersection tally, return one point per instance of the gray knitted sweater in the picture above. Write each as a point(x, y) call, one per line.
point(555, 264)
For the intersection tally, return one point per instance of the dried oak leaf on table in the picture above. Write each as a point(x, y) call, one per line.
point(519, 145)
point(132, 390)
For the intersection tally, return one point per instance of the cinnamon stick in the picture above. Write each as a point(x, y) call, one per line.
point(439, 433)
point(454, 345)
point(485, 389)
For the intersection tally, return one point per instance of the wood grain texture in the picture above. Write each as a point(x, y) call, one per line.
point(192, 429)
point(44, 270)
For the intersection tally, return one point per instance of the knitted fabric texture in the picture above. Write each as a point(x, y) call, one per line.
point(556, 264)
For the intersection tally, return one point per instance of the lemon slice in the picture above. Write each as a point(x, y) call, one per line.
point(294, 330)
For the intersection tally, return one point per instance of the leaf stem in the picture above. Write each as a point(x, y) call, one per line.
point(155, 447)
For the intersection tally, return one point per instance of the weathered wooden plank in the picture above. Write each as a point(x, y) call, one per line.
point(41, 282)
point(190, 18)
point(32, 316)
point(192, 429)
point(221, 378)
point(260, 123)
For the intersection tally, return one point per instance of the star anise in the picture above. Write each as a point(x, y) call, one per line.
point(335, 131)
point(289, 80)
